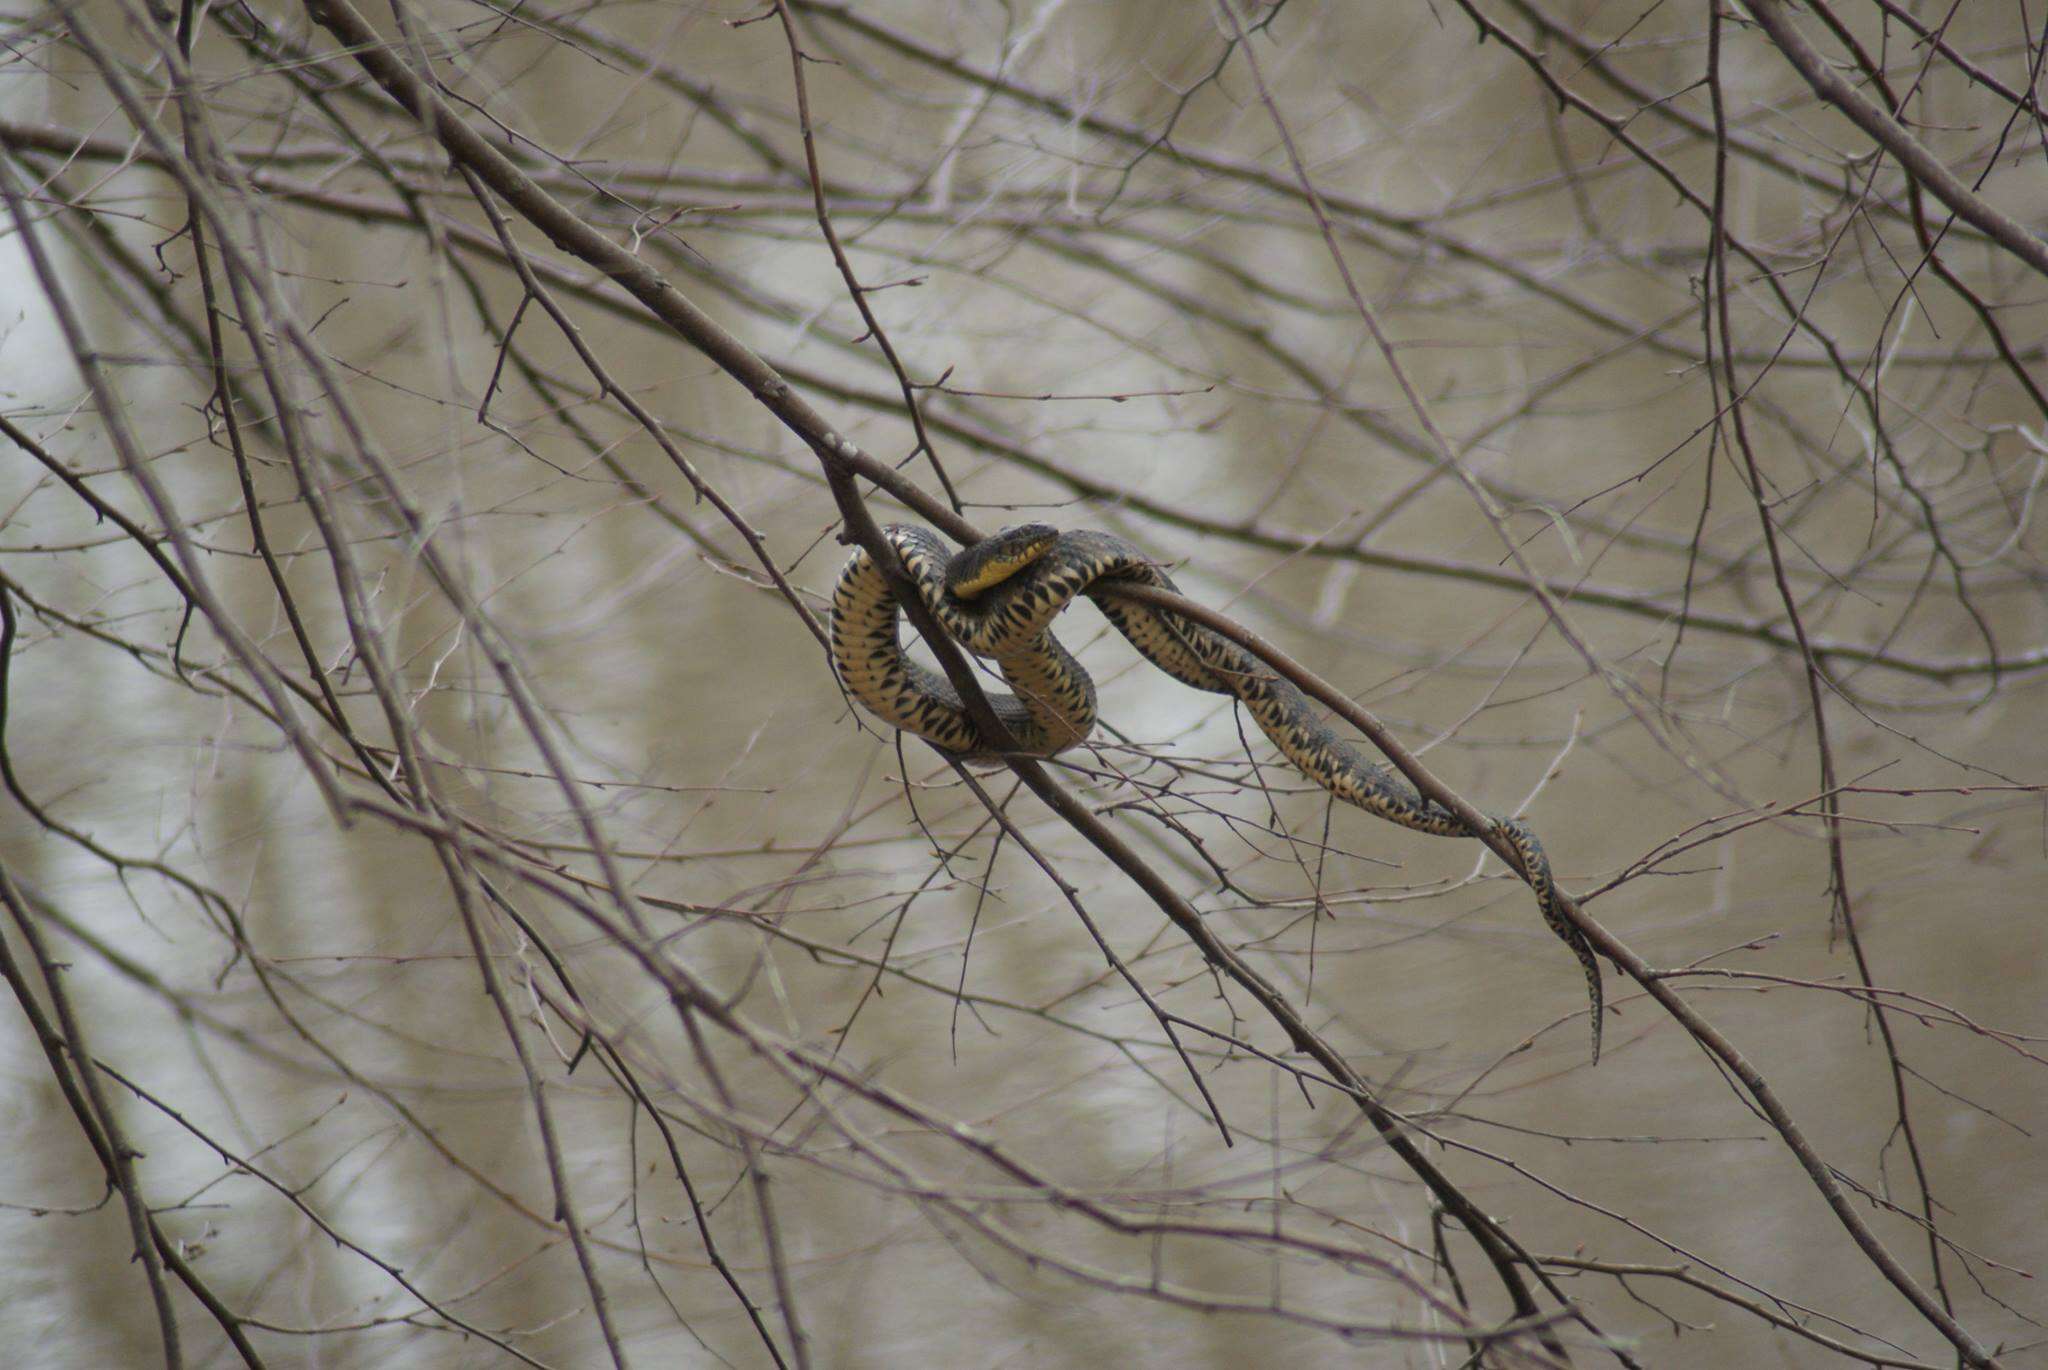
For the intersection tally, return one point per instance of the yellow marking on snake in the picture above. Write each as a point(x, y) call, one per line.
point(998, 599)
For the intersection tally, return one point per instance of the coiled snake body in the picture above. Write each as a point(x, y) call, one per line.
point(998, 599)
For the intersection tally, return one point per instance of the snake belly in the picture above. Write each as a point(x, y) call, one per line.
point(1054, 706)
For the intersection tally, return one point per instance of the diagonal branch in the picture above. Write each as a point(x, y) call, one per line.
point(1896, 138)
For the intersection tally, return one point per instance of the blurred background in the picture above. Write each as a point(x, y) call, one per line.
point(454, 917)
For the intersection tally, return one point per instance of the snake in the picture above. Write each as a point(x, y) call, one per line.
point(998, 599)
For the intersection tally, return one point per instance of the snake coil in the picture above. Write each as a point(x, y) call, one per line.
point(998, 599)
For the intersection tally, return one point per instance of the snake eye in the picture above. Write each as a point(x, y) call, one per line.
point(1025, 541)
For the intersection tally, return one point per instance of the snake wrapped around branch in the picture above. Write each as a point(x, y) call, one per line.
point(998, 599)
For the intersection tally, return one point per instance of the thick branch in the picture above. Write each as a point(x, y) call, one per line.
point(1895, 138)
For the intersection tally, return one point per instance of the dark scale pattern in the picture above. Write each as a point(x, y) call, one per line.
point(1013, 585)
point(1054, 707)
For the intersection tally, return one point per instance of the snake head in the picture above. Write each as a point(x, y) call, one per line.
point(996, 558)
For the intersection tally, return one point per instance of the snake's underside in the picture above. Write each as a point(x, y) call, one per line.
point(998, 600)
